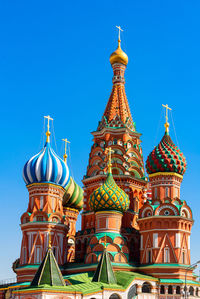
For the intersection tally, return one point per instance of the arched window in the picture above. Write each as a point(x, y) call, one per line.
point(166, 255)
point(162, 289)
point(170, 290)
point(191, 291)
point(132, 292)
point(146, 287)
point(178, 290)
point(114, 296)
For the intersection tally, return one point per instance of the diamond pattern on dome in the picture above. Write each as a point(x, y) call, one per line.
point(109, 196)
point(166, 157)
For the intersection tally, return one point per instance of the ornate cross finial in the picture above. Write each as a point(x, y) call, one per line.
point(48, 132)
point(109, 152)
point(166, 118)
point(65, 154)
point(120, 29)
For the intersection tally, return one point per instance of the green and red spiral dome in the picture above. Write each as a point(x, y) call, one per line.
point(166, 157)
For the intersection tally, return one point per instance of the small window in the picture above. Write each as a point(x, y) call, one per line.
point(41, 202)
point(191, 291)
point(162, 289)
point(155, 193)
point(166, 255)
point(146, 287)
point(38, 257)
point(148, 256)
point(115, 141)
point(166, 192)
point(197, 292)
point(178, 290)
point(170, 290)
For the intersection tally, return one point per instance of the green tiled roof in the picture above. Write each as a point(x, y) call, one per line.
point(104, 272)
point(48, 272)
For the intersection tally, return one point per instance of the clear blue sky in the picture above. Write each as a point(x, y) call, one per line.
point(54, 59)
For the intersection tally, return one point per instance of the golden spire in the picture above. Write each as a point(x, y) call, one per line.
point(49, 243)
point(166, 118)
point(65, 154)
point(48, 132)
point(109, 152)
point(105, 241)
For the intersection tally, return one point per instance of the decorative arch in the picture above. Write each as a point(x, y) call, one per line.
point(173, 209)
point(115, 296)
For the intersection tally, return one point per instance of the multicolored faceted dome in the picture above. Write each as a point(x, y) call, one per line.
point(109, 196)
point(166, 157)
point(73, 196)
point(46, 167)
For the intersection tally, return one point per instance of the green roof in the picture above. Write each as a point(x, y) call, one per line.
point(48, 272)
point(104, 272)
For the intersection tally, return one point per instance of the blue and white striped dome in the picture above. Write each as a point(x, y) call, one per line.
point(46, 167)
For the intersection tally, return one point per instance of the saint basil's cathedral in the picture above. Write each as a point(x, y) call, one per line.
point(134, 240)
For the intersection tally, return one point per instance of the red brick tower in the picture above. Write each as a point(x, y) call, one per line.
point(46, 175)
point(116, 130)
point(165, 221)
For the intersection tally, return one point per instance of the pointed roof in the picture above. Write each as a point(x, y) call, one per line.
point(104, 272)
point(117, 112)
point(48, 272)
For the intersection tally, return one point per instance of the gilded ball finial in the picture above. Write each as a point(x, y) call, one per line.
point(119, 56)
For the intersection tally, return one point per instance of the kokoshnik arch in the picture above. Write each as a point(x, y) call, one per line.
point(134, 240)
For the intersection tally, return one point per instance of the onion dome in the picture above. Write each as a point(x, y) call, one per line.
point(166, 157)
point(109, 196)
point(118, 56)
point(46, 166)
point(73, 196)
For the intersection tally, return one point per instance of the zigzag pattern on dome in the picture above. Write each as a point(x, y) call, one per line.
point(166, 157)
point(46, 167)
point(109, 196)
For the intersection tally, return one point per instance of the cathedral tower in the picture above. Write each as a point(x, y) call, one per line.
point(46, 175)
point(116, 130)
point(165, 221)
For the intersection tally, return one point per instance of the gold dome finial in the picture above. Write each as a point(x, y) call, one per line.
point(48, 132)
point(119, 56)
point(65, 154)
point(109, 152)
point(166, 118)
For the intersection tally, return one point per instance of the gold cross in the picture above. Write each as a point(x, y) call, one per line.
point(48, 132)
point(105, 241)
point(166, 118)
point(65, 154)
point(120, 29)
point(109, 152)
